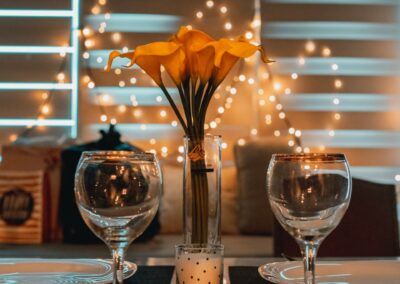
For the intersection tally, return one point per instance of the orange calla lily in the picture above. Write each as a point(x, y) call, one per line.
point(151, 56)
point(225, 53)
point(192, 40)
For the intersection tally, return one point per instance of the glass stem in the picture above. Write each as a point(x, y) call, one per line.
point(309, 252)
point(118, 254)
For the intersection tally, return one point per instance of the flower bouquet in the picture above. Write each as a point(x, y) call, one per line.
point(197, 64)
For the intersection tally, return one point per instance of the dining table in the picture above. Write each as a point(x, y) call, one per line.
point(160, 270)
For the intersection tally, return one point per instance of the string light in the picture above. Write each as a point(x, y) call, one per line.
point(336, 101)
point(326, 52)
point(248, 35)
point(335, 67)
point(163, 113)
point(103, 118)
point(310, 46)
point(199, 14)
point(116, 37)
point(294, 76)
point(277, 133)
point(302, 60)
point(337, 116)
point(338, 84)
point(153, 141)
point(45, 109)
point(254, 132)
point(210, 3)
point(288, 91)
point(241, 142)
point(228, 26)
point(223, 9)
point(174, 123)
point(331, 133)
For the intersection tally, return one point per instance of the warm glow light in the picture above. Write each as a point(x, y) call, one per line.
point(199, 14)
point(272, 99)
point(298, 149)
point(159, 99)
point(103, 118)
point(277, 133)
point(242, 78)
point(262, 102)
point(13, 137)
point(221, 110)
point(277, 86)
point(181, 149)
point(224, 145)
point(213, 124)
point(121, 84)
point(256, 23)
point(210, 3)
point(206, 126)
point(260, 92)
point(91, 85)
point(122, 108)
point(125, 49)
point(248, 35)
point(254, 132)
point(228, 26)
point(113, 121)
point(60, 77)
point(338, 84)
point(291, 130)
point(99, 59)
point(336, 101)
point(331, 133)
point(337, 116)
point(302, 60)
point(45, 109)
point(288, 91)
point(250, 81)
point(310, 46)
point(95, 10)
point(335, 67)
point(295, 76)
point(223, 9)
point(306, 150)
point(117, 71)
point(282, 115)
point(153, 141)
point(102, 2)
point(233, 91)
point(297, 133)
point(179, 159)
point(174, 123)
point(87, 31)
point(133, 80)
point(116, 37)
point(241, 142)
point(279, 107)
point(291, 143)
point(89, 43)
point(397, 177)
point(164, 149)
point(163, 113)
point(229, 100)
point(326, 52)
point(45, 96)
point(137, 113)
point(86, 55)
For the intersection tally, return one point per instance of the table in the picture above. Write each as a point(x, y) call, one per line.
point(148, 265)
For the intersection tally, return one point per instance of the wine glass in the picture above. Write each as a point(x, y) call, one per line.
point(118, 193)
point(309, 194)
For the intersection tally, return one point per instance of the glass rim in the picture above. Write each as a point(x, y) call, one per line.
point(104, 154)
point(206, 136)
point(322, 157)
point(189, 247)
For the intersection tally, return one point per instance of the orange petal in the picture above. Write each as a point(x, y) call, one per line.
point(114, 54)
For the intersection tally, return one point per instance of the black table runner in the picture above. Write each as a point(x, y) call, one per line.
point(245, 275)
point(151, 275)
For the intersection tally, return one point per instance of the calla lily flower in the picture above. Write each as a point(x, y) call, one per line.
point(151, 56)
point(190, 41)
point(225, 53)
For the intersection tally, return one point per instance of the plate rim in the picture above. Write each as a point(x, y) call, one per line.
point(130, 266)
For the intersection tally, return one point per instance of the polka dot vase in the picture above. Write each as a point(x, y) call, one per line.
point(196, 264)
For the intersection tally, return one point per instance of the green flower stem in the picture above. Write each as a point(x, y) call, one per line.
point(176, 110)
point(199, 199)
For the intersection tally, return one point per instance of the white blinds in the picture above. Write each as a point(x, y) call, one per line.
point(347, 102)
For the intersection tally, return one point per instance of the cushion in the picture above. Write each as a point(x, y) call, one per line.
point(171, 204)
point(252, 159)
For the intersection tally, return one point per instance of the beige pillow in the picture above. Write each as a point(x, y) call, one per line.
point(252, 159)
point(171, 203)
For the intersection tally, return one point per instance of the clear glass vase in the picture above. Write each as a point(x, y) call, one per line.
point(202, 190)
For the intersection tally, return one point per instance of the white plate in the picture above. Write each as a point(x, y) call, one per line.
point(342, 272)
point(37, 270)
